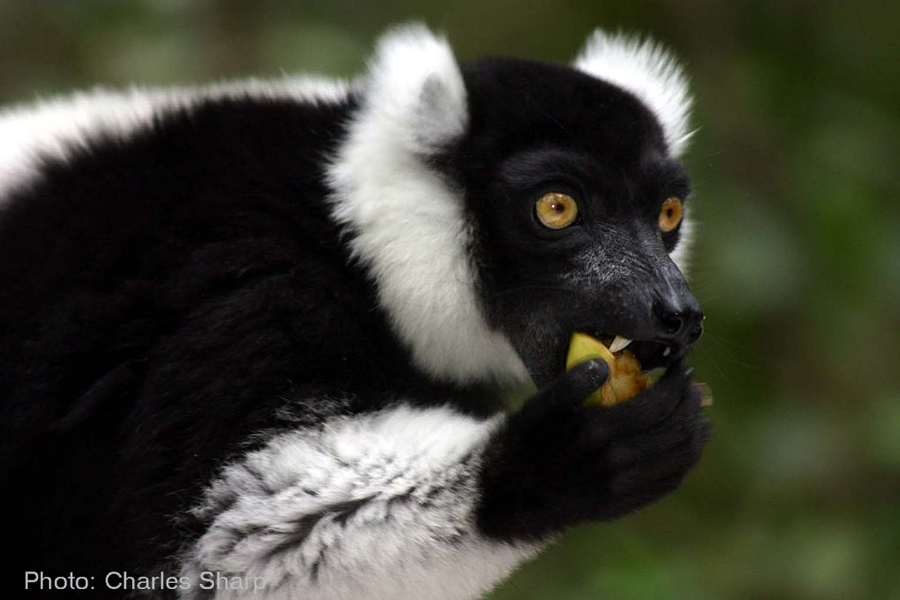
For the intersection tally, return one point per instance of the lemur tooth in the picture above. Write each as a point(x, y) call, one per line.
point(667, 350)
point(619, 343)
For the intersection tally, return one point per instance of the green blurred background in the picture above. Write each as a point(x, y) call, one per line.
point(796, 168)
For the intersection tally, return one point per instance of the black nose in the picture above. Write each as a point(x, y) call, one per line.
point(678, 320)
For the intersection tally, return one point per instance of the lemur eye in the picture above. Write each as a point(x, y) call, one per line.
point(556, 210)
point(670, 214)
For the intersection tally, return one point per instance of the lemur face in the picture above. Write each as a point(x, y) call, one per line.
point(504, 204)
point(576, 205)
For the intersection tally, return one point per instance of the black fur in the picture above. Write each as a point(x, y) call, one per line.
point(537, 128)
point(165, 297)
point(160, 299)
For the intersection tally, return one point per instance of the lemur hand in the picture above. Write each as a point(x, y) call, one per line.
point(557, 463)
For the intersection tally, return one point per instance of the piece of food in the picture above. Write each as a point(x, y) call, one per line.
point(628, 380)
point(625, 377)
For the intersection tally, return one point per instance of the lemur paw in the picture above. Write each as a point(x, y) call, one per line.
point(557, 463)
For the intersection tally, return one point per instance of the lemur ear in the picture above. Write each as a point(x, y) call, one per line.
point(647, 70)
point(416, 87)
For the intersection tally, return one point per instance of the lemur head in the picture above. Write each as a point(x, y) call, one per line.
point(503, 204)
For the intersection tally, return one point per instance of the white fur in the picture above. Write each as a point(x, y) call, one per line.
point(407, 223)
point(52, 128)
point(413, 473)
point(648, 71)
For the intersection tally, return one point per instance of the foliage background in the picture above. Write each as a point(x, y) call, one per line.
point(796, 168)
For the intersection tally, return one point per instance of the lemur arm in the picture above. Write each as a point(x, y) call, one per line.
point(428, 503)
point(380, 505)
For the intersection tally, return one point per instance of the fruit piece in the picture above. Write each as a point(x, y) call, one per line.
point(583, 347)
point(625, 377)
point(628, 381)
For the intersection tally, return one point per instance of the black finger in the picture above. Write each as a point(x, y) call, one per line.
point(681, 431)
point(583, 380)
point(669, 466)
point(653, 404)
point(570, 390)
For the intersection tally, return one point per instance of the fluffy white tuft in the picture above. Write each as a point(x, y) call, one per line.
point(376, 506)
point(415, 84)
point(406, 223)
point(648, 71)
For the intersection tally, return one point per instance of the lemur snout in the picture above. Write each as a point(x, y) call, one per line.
point(678, 319)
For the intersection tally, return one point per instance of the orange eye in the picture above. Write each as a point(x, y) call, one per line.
point(556, 210)
point(670, 214)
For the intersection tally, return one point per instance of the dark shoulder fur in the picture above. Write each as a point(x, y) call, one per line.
point(163, 297)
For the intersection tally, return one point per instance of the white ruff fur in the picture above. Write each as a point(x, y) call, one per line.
point(53, 128)
point(378, 506)
point(406, 222)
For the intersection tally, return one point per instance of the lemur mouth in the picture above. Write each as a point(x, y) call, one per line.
point(630, 362)
point(651, 354)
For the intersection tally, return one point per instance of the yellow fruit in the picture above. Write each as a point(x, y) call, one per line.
point(583, 347)
point(628, 381)
point(625, 377)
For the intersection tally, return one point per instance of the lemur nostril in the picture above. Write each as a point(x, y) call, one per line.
point(672, 323)
point(678, 321)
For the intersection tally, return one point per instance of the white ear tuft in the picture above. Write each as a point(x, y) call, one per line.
point(648, 71)
point(415, 84)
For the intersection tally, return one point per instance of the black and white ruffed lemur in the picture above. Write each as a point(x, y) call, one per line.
point(258, 329)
